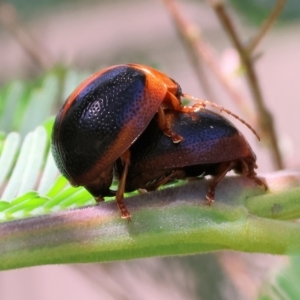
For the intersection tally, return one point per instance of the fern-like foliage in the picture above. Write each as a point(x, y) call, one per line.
point(34, 186)
point(29, 180)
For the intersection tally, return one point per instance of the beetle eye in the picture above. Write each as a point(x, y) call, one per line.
point(178, 93)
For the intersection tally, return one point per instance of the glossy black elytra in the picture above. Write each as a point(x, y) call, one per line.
point(103, 117)
point(212, 146)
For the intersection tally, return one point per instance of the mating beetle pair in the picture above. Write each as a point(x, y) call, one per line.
point(129, 120)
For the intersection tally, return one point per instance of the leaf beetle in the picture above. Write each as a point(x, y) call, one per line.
point(212, 145)
point(104, 116)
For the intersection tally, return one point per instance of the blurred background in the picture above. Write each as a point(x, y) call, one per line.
point(37, 37)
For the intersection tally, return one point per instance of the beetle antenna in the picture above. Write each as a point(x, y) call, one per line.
point(205, 102)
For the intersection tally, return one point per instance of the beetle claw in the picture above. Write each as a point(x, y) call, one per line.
point(142, 191)
point(259, 182)
point(126, 215)
point(176, 138)
point(210, 197)
point(99, 199)
point(193, 115)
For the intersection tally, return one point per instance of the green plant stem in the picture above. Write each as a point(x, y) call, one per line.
point(169, 222)
point(283, 206)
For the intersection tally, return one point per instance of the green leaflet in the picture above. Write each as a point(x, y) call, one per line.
point(29, 180)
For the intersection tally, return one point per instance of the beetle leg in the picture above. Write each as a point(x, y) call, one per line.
point(222, 171)
point(142, 191)
point(125, 214)
point(99, 199)
point(175, 103)
point(165, 127)
point(251, 174)
point(189, 109)
point(174, 174)
point(108, 193)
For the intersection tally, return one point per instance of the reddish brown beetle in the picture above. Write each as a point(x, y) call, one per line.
point(212, 146)
point(103, 117)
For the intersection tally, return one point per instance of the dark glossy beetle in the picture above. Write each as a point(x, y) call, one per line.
point(103, 117)
point(212, 146)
